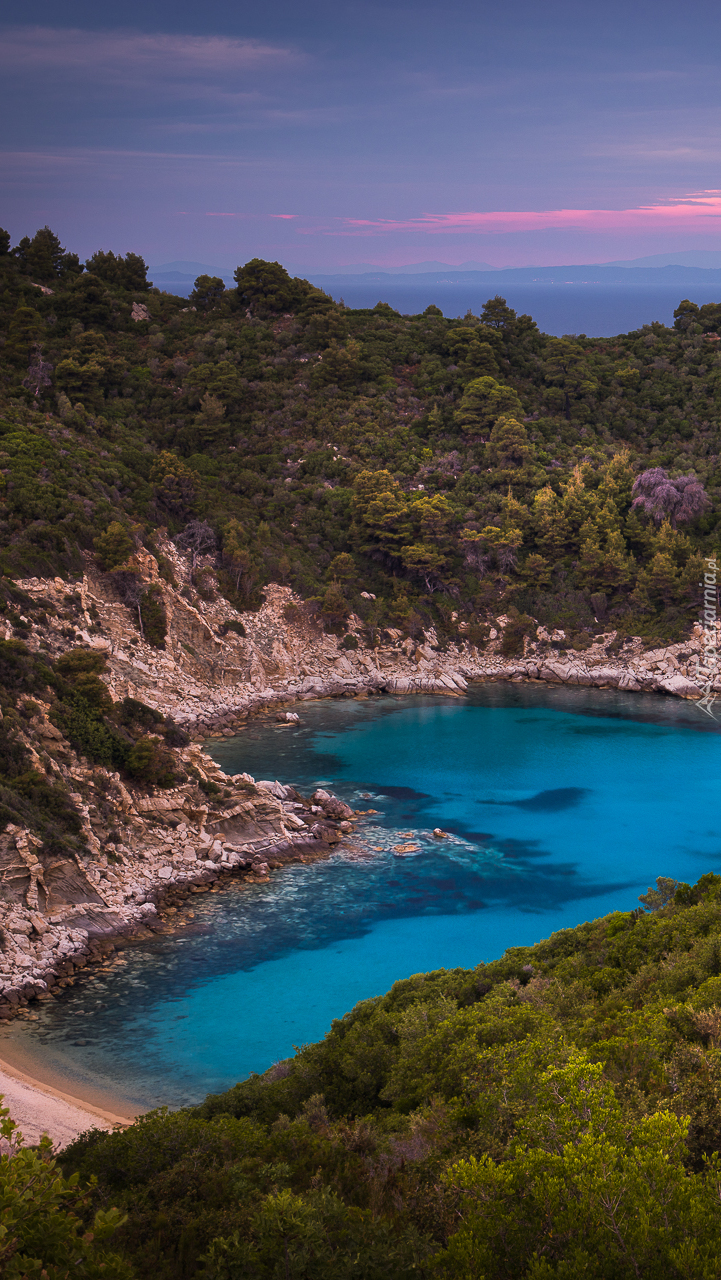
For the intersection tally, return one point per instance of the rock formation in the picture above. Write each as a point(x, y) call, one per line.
point(147, 846)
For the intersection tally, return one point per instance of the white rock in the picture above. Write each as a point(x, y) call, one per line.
point(680, 686)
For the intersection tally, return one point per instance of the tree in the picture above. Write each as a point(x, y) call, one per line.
point(502, 545)
point(483, 402)
point(686, 315)
point(88, 301)
point(207, 292)
point(472, 353)
point(584, 1193)
point(566, 370)
point(334, 606)
point(176, 484)
point(81, 380)
point(236, 559)
point(150, 763)
point(498, 314)
point(266, 289)
point(343, 567)
point(212, 413)
point(221, 379)
point(655, 899)
point(130, 588)
point(604, 563)
point(427, 561)
point(199, 540)
point(380, 512)
point(39, 371)
point(340, 365)
point(129, 272)
point(316, 1236)
point(44, 258)
point(509, 447)
point(114, 547)
point(25, 331)
point(551, 528)
point(682, 499)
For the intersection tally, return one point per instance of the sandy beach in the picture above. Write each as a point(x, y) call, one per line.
point(38, 1108)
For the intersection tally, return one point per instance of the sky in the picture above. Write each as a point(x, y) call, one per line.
point(330, 133)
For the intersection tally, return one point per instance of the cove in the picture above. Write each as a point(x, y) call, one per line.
point(560, 805)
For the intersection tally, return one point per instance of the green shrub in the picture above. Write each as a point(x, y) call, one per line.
point(514, 634)
point(114, 546)
point(151, 764)
point(154, 617)
point(45, 1218)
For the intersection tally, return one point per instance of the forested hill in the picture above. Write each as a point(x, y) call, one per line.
point(452, 469)
point(553, 1114)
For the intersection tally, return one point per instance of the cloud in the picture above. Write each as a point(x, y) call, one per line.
point(697, 211)
point(125, 55)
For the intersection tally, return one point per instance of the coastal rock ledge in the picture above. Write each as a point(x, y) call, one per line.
point(144, 854)
point(146, 848)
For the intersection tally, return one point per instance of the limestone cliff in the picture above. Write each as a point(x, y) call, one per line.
point(141, 845)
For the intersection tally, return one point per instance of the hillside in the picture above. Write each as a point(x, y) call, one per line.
point(452, 469)
point(552, 1114)
point(224, 504)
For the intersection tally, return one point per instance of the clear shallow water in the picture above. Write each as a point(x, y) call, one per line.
point(561, 805)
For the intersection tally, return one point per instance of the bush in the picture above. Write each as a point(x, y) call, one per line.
point(151, 764)
point(44, 1218)
point(514, 634)
point(232, 625)
point(154, 617)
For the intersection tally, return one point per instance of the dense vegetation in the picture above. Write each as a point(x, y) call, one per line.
point(450, 468)
point(126, 736)
point(556, 1113)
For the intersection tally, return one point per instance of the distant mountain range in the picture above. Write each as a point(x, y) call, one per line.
point(695, 266)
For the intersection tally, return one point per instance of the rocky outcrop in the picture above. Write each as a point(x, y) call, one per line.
point(218, 667)
point(143, 852)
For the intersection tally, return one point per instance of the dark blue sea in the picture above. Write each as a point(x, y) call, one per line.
point(597, 310)
point(560, 805)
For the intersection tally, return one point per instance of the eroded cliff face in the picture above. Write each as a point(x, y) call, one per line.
point(142, 847)
point(210, 677)
point(139, 850)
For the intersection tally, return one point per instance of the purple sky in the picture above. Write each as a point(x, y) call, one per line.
point(332, 133)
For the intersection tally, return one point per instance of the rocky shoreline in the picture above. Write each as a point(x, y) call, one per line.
point(168, 848)
point(147, 849)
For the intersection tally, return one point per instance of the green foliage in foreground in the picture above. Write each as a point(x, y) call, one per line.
point(43, 1218)
point(556, 1113)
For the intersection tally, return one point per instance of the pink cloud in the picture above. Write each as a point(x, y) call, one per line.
point(284, 215)
point(221, 215)
point(698, 211)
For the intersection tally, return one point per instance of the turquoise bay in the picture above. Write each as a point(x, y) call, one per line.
point(560, 805)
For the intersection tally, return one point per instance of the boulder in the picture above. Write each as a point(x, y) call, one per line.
point(680, 686)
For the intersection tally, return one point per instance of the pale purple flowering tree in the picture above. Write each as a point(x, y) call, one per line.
point(679, 500)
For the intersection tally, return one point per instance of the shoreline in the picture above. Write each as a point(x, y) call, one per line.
point(35, 1089)
point(38, 1106)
